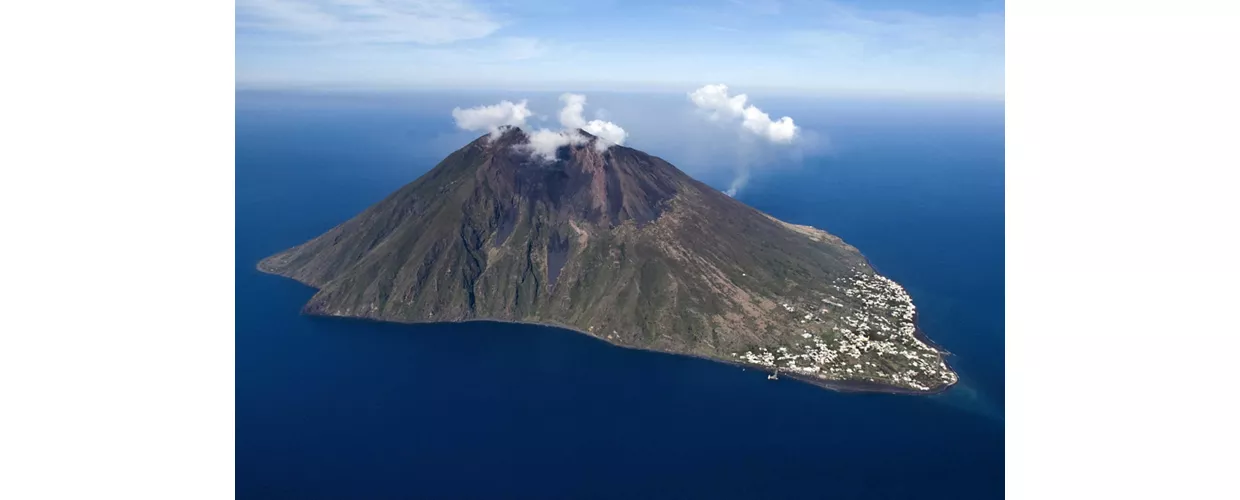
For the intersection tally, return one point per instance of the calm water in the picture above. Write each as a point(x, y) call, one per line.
point(330, 408)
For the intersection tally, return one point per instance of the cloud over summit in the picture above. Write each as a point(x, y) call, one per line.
point(747, 140)
point(572, 118)
point(491, 118)
point(543, 142)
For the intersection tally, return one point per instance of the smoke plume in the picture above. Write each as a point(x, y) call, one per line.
point(491, 118)
point(715, 99)
point(572, 118)
point(721, 107)
point(543, 142)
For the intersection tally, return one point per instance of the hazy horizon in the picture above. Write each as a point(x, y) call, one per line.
point(722, 153)
point(657, 89)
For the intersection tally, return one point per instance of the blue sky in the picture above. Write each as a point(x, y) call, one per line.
point(878, 46)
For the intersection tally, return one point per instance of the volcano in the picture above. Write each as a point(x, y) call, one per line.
point(620, 245)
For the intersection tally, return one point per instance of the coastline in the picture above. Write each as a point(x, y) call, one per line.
point(847, 387)
point(920, 334)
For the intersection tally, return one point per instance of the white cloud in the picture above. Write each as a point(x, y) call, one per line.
point(367, 21)
point(571, 113)
point(607, 131)
point(491, 118)
point(714, 99)
point(572, 118)
point(544, 142)
point(782, 131)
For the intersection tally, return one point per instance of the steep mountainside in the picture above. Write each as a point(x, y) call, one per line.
point(625, 247)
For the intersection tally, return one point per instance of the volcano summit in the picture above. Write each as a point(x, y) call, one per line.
point(620, 245)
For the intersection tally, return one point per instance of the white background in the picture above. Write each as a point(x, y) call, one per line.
point(116, 184)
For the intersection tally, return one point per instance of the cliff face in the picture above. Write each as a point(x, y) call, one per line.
point(623, 246)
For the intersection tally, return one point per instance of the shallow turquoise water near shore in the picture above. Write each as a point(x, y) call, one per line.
point(331, 408)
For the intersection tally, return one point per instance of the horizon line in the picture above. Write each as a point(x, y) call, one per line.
point(606, 88)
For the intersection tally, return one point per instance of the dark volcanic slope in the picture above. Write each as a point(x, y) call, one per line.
point(623, 246)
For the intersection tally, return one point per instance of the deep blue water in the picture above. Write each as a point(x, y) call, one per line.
point(330, 408)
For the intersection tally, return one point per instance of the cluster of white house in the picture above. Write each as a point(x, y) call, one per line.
point(882, 327)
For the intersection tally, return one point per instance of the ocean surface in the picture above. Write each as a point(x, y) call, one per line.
point(334, 408)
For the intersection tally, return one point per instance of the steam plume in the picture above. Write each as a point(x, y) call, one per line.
point(571, 117)
point(491, 118)
point(715, 99)
point(719, 106)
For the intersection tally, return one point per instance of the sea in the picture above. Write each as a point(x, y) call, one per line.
point(344, 409)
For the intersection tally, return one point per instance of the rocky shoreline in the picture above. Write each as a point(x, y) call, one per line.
point(843, 386)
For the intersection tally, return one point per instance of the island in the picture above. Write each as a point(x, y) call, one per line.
point(622, 246)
